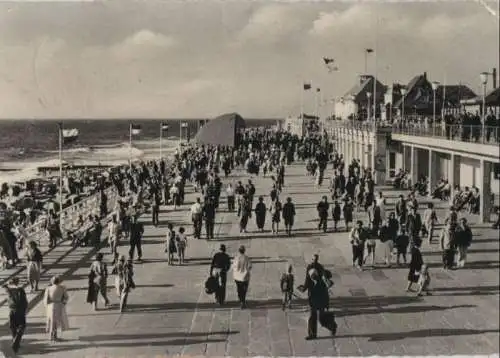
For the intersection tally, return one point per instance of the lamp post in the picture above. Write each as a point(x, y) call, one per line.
point(368, 95)
point(434, 89)
point(403, 94)
point(484, 81)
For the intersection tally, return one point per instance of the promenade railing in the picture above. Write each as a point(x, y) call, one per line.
point(87, 206)
point(489, 135)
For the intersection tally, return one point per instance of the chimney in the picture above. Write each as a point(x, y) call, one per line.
point(494, 73)
point(425, 75)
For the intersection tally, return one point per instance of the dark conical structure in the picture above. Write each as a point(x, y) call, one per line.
point(223, 130)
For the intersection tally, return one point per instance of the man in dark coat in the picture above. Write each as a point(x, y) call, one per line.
point(209, 215)
point(288, 215)
point(136, 232)
point(221, 263)
point(318, 298)
point(18, 306)
point(323, 208)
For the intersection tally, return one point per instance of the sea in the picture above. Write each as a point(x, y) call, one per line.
point(26, 145)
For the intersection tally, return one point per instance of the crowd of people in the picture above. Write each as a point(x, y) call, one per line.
point(147, 186)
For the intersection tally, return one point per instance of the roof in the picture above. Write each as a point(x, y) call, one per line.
point(492, 98)
point(410, 88)
point(359, 92)
point(453, 94)
point(222, 130)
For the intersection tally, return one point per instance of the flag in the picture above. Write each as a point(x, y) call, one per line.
point(328, 60)
point(184, 125)
point(307, 86)
point(135, 129)
point(68, 135)
point(164, 127)
point(369, 50)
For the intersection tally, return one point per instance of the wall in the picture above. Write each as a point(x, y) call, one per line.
point(443, 161)
point(469, 172)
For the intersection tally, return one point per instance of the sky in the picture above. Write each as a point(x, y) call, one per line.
point(167, 59)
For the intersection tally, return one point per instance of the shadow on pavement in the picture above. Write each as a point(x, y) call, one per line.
point(35, 347)
point(127, 337)
point(422, 333)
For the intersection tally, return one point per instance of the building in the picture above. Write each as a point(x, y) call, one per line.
point(356, 102)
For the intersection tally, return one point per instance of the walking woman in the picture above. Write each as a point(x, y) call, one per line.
point(276, 215)
point(98, 277)
point(348, 210)
point(125, 274)
point(415, 264)
point(34, 267)
point(246, 213)
point(170, 245)
point(260, 214)
point(241, 275)
point(55, 300)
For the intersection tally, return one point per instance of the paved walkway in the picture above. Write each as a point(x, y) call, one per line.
point(170, 314)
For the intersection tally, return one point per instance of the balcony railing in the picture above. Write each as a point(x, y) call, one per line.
point(489, 135)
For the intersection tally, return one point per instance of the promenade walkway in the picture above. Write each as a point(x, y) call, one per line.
point(170, 314)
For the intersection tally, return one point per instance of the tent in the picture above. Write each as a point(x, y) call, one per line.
point(223, 130)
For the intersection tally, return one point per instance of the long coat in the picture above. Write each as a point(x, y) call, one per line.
point(260, 214)
point(415, 264)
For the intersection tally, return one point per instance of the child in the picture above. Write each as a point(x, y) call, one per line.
point(286, 283)
point(424, 281)
point(181, 241)
point(170, 244)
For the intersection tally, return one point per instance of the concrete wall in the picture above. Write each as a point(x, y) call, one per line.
point(470, 172)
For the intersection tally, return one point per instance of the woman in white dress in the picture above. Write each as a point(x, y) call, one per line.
point(55, 300)
point(34, 260)
point(380, 202)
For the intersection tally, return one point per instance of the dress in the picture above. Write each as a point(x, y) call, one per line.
point(55, 302)
point(34, 258)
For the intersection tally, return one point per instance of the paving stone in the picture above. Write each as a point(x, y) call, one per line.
point(170, 313)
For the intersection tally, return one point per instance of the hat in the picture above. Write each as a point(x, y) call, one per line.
point(223, 247)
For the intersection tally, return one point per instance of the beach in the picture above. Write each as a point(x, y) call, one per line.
point(26, 145)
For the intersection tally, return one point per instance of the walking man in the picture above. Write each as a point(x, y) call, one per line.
point(197, 218)
point(136, 232)
point(323, 208)
point(241, 275)
point(209, 214)
point(18, 306)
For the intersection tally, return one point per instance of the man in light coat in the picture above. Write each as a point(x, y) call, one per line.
point(241, 274)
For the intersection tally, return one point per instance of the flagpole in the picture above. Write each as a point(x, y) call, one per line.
point(161, 137)
point(302, 102)
point(444, 98)
point(60, 174)
point(180, 132)
point(375, 70)
point(130, 146)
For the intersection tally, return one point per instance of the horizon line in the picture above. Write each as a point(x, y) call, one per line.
point(130, 119)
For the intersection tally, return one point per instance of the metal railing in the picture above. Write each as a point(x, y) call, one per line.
point(465, 133)
point(85, 207)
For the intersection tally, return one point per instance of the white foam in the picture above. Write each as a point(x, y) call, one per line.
point(112, 154)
